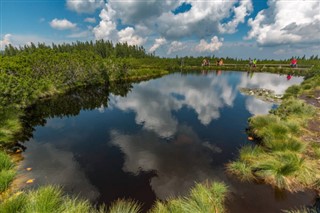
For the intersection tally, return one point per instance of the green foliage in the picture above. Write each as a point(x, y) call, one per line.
point(6, 177)
point(7, 172)
point(15, 203)
point(294, 108)
point(202, 198)
point(242, 170)
point(125, 206)
point(45, 199)
point(5, 162)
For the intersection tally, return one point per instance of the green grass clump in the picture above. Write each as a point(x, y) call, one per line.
point(45, 199)
point(7, 171)
point(295, 108)
point(15, 203)
point(242, 170)
point(5, 161)
point(125, 206)
point(202, 198)
point(290, 144)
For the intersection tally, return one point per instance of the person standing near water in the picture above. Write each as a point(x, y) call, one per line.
point(254, 62)
point(294, 62)
point(250, 62)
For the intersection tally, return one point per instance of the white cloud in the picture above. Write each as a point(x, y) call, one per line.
point(5, 41)
point(286, 22)
point(127, 35)
point(157, 43)
point(62, 24)
point(214, 45)
point(107, 26)
point(156, 19)
point(90, 20)
point(84, 6)
point(240, 13)
point(176, 46)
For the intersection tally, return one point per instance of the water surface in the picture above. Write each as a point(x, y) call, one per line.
point(153, 140)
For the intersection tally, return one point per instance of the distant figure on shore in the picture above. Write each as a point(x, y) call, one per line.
point(220, 62)
point(294, 62)
point(250, 62)
point(205, 62)
point(254, 62)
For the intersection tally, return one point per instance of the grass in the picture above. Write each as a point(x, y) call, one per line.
point(9, 124)
point(281, 158)
point(7, 171)
point(125, 206)
point(206, 197)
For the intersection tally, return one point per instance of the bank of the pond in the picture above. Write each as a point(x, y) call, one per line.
point(286, 150)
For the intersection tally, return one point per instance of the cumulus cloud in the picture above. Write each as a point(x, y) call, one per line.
point(128, 35)
point(240, 13)
point(154, 19)
point(176, 46)
point(90, 20)
point(214, 45)
point(62, 24)
point(84, 6)
point(157, 43)
point(286, 23)
point(107, 26)
point(5, 41)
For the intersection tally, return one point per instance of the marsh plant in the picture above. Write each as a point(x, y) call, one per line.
point(280, 157)
point(7, 171)
point(207, 197)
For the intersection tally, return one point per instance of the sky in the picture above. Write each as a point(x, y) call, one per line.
point(272, 29)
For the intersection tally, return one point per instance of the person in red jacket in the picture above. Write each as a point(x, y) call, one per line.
point(294, 62)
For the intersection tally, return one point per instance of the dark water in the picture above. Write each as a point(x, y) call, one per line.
point(152, 140)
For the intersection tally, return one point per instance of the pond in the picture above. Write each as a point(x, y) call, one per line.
point(152, 140)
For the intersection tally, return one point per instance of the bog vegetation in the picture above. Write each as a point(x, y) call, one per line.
point(34, 72)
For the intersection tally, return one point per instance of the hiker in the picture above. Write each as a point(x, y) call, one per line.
point(254, 62)
point(294, 62)
point(250, 62)
point(220, 62)
point(205, 62)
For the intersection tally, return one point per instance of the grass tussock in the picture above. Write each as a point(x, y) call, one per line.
point(281, 158)
point(202, 198)
point(207, 197)
point(7, 171)
point(125, 206)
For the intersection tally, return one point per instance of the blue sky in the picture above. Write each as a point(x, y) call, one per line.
point(235, 28)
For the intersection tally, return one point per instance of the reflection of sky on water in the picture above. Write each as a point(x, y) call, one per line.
point(55, 166)
point(184, 128)
point(153, 103)
point(178, 164)
point(277, 83)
